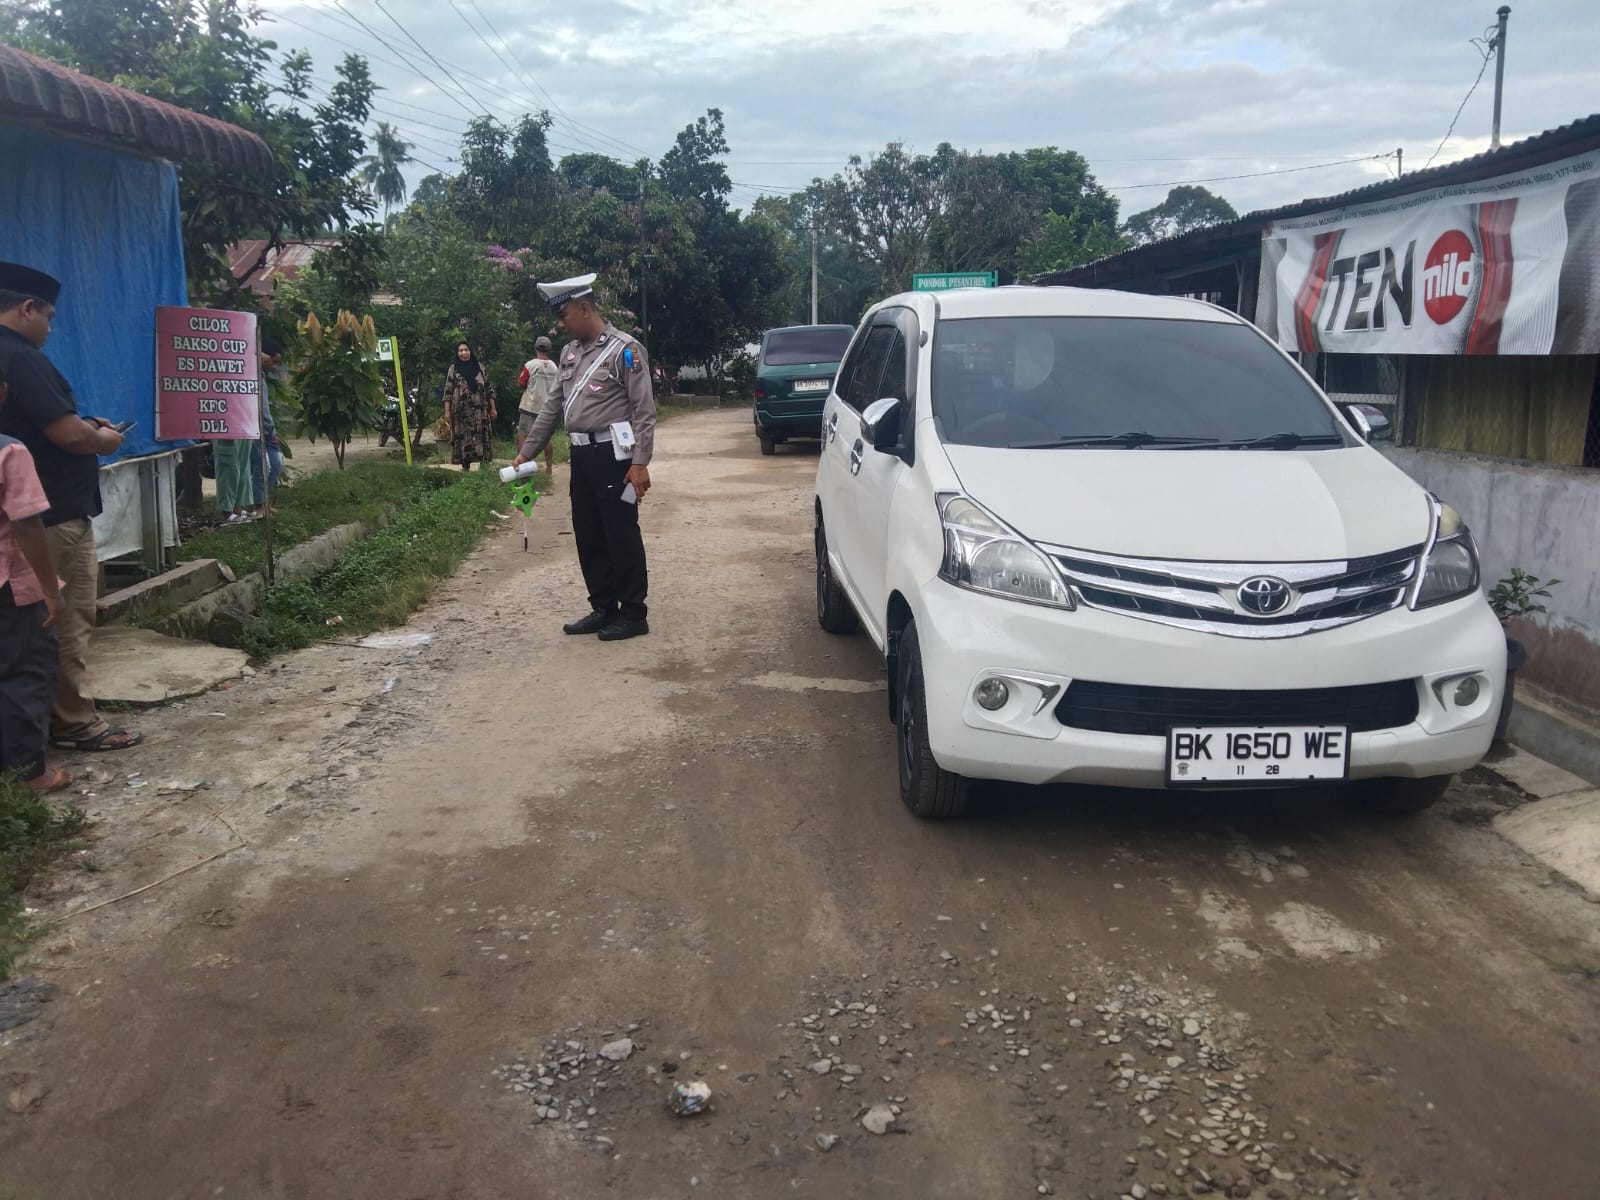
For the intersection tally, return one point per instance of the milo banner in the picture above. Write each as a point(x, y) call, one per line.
point(1508, 265)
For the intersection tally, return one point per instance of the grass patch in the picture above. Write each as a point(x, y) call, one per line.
point(315, 504)
point(33, 832)
point(383, 579)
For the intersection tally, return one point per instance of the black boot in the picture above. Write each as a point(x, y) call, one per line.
point(593, 623)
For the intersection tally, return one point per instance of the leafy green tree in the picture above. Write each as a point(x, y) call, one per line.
point(337, 380)
point(202, 55)
point(1186, 208)
point(887, 205)
point(1064, 242)
point(692, 171)
point(904, 213)
point(845, 283)
point(381, 170)
point(507, 181)
point(581, 174)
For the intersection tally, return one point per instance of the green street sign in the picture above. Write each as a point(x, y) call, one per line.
point(944, 282)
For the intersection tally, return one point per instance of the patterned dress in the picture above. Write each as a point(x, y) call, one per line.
point(470, 405)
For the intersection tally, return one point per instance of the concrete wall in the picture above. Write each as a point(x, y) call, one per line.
point(1545, 520)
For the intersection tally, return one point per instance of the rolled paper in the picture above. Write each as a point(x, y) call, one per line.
point(512, 474)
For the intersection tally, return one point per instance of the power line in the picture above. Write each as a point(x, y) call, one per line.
point(343, 16)
point(1343, 162)
point(1488, 52)
point(429, 54)
point(540, 88)
point(518, 73)
point(420, 74)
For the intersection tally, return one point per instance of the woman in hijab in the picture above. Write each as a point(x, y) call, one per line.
point(469, 409)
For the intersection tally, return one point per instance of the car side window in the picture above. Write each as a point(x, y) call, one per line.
point(894, 370)
point(861, 389)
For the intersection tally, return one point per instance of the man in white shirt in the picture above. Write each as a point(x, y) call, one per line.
point(538, 377)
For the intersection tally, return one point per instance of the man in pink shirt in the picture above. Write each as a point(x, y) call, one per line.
point(30, 605)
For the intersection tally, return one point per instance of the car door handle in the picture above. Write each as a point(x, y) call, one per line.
point(855, 457)
point(833, 427)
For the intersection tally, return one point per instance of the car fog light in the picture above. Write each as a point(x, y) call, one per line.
point(992, 694)
point(1467, 692)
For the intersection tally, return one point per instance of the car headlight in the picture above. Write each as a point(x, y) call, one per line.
point(1450, 567)
point(984, 554)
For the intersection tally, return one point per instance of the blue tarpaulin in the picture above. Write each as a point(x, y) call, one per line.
point(107, 225)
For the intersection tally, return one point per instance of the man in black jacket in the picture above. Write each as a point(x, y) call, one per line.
point(43, 414)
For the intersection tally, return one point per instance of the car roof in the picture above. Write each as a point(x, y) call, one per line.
point(795, 328)
point(1026, 301)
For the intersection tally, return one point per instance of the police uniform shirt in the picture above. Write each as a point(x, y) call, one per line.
point(40, 396)
point(617, 389)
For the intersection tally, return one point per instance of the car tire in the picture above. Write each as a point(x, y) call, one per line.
point(835, 613)
point(1399, 797)
point(768, 445)
point(928, 790)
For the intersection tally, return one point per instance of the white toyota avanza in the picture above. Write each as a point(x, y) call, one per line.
point(1122, 539)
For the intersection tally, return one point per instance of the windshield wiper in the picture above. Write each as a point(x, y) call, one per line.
point(1132, 441)
point(1285, 441)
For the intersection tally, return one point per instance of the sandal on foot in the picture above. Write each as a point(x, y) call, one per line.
point(51, 779)
point(107, 739)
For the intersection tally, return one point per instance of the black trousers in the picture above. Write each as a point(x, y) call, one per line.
point(29, 660)
point(606, 528)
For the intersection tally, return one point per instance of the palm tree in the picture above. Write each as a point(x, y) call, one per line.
point(381, 171)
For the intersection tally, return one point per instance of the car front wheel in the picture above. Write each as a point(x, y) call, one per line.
point(927, 788)
point(1399, 797)
point(834, 610)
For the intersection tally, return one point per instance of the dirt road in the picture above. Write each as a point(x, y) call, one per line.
point(463, 868)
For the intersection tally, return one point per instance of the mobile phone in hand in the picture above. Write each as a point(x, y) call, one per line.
point(124, 426)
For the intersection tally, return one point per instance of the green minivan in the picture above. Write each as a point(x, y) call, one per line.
point(794, 374)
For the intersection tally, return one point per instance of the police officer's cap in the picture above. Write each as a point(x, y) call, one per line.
point(14, 277)
point(563, 292)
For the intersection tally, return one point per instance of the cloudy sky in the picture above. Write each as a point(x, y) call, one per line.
point(1255, 97)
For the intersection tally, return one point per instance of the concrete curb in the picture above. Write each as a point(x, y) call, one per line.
point(1545, 730)
point(244, 595)
point(1560, 827)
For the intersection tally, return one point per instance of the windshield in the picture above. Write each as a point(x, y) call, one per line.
point(796, 347)
point(1121, 383)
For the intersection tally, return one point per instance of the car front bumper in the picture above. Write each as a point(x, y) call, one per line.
point(966, 637)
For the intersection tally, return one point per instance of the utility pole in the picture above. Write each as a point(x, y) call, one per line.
point(644, 275)
point(1399, 162)
point(813, 272)
point(1503, 12)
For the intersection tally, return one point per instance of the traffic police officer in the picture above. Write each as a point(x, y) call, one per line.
point(602, 395)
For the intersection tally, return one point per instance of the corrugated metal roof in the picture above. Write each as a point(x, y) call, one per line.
point(260, 275)
point(1564, 140)
point(38, 92)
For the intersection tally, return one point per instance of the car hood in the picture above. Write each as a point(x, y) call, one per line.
point(1203, 505)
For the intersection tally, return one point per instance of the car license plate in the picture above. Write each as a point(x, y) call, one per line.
point(1224, 754)
point(812, 385)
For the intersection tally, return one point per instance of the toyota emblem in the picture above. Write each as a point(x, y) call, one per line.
point(1264, 596)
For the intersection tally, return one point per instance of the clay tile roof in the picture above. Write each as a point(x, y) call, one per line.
point(38, 92)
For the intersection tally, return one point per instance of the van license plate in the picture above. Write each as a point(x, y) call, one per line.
point(1223, 754)
point(811, 385)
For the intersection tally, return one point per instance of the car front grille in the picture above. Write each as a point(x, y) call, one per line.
point(1124, 708)
point(1205, 596)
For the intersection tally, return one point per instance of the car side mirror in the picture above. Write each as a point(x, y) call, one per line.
point(880, 423)
point(1371, 422)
